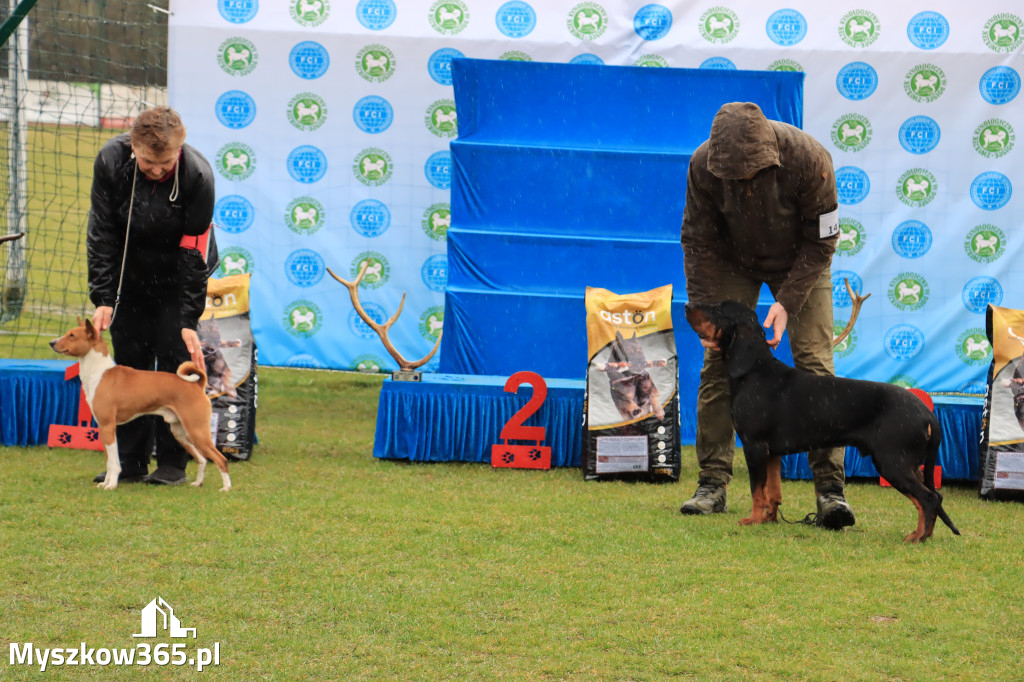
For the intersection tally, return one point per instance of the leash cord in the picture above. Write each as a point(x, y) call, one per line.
point(806, 521)
point(127, 230)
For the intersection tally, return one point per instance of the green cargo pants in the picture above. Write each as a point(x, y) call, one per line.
point(810, 339)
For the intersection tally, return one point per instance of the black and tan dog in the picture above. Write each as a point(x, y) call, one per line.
point(778, 410)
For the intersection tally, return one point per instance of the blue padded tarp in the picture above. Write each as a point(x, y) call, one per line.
point(567, 176)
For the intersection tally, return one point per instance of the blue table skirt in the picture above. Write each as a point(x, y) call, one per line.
point(33, 395)
point(457, 417)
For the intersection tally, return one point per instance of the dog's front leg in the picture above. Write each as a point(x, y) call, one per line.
point(758, 464)
point(773, 488)
point(113, 461)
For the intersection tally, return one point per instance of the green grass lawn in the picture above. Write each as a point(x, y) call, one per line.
point(325, 563)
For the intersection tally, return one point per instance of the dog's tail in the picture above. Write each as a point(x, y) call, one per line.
point(934, 440)
point(190, 372)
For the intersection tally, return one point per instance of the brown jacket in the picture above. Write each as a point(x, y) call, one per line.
point(766, 227)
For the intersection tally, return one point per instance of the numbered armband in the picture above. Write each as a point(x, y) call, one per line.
point(828, 224)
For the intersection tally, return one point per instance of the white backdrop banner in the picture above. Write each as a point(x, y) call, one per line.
point(328, 122)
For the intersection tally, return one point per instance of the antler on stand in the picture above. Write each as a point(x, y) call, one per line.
point(857, 302)
point(382, 329)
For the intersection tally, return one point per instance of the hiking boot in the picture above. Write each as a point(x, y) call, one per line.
point(709, 499)
point(166, 475)
point(122, 478)
point(833, 511)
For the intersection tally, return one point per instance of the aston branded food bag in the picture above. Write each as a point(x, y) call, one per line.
point(1001, 469)
point(631, 411)
point(229, 351)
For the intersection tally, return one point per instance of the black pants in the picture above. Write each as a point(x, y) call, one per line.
point(147, 335)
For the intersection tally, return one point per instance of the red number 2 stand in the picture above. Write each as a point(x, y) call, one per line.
point(523, 456)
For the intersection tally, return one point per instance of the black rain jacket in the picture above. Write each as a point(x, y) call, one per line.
point(158, 270)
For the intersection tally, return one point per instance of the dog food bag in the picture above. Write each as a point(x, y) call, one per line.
point(1001, 466)
point(229, 351)
point(631, 411)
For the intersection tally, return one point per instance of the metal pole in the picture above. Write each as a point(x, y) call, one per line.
point(17, 57)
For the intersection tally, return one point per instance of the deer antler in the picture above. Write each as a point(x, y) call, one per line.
point(382, 329)
point(857, 302)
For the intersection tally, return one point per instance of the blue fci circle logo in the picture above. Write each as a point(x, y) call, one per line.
point(307, 164)
point(911, 239)
point(238, 11)
point(235, 109)
point(439, 66)
point(857, 81)
point(999, 85)
point(980, 292)
point(438, 170)
point(373, 114)
point(919, 134)
point(434, 272)
point(234, 213)
point(928, 30)
point(304, 267)
point(370, 218)
point(515, 19)
point(786, 27)
point(587, 58)
point(991, 190)
point(852, 184)
point(652, 22)
point(903, 342)
point(376, 15)
point(717, 63)
point(309, 60)
point(840, 296)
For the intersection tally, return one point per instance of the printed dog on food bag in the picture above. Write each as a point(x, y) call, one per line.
point(779, 410)
point(118, 394)
point(632, 388)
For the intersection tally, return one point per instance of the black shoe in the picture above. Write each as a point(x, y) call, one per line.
point(166, 475)
point(834, 512)
point(121, 478)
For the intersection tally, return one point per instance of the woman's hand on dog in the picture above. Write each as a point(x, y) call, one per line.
point(195, 348)
point(776, 320)
point(102, 317)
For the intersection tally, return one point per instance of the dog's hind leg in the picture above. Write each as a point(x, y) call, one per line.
point(181, 435)
point(902, 473)
point(200, 469)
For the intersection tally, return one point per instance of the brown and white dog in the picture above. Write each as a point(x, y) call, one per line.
point(118, 394)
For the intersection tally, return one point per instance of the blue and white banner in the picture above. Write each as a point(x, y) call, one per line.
point(328, 123)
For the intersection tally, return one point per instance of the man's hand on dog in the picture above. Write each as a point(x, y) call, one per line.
point(776, 319)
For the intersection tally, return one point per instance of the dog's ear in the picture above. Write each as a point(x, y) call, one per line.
point(90, 330)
